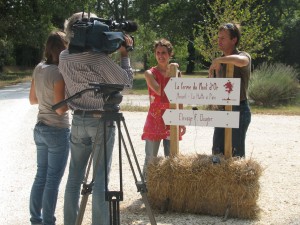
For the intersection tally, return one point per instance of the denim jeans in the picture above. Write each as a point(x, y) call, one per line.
point(52, 146)
point(151, 150)
point(85, 132)
point(238, 134)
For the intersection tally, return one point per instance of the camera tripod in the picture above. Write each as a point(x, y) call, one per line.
point(114, 197)
point(112, 98)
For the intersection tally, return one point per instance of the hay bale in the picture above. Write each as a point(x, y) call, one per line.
point(193, 184)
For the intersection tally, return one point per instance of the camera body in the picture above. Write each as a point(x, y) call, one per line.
point(96, 34)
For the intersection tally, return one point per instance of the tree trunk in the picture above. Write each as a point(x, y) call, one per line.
point(191, 58)
point(145, 62)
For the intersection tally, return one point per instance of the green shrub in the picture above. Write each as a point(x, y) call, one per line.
point(273, 84)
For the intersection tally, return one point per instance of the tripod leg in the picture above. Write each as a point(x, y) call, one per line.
point(141, 186)
point(80, 215)
point(87, 188)
point(86, 191)
point(114, 206)
point(148, 208)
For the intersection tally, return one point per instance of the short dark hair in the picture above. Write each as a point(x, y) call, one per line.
point(54, 45)
point(166, 43)
point(233, 31)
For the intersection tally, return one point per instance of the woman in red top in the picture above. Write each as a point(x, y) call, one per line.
point(157, 78)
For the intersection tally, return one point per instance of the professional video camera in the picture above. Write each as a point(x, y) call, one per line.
point(99, 34)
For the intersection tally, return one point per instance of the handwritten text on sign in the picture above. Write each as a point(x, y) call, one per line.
point(227, 119)
point(204, 91)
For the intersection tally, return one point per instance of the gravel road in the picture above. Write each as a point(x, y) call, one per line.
point(272, 140)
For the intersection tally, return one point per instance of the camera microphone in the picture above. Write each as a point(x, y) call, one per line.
point(128, 26)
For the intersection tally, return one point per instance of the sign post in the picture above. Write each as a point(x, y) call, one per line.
point(228, 131)
point(174, 129)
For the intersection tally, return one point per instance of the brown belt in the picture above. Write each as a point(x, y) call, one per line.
point(91, 113)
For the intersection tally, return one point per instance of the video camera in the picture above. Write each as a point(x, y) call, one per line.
point(99, 35)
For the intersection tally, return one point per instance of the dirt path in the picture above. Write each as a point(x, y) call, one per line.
point(272, 140)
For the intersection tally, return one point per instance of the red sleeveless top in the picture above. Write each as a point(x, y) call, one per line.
point(155, 128)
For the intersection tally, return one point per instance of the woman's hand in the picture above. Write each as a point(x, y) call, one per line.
point(172, 69)
point(182, 130)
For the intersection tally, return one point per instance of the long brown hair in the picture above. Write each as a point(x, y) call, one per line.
point(54, 45)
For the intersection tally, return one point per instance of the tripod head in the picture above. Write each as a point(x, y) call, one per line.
point(112, 96)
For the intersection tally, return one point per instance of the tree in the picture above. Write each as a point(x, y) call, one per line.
point(26, 24)
point(267, 25)
point(191, 57)
point(285, 15)
point(116, 9)
point(250, 15)
point(173, 20)
point(143, 50)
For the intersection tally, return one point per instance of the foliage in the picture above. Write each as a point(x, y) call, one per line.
point(175, 19)
point(197, 23)
point(144, 48)
point(290, 47)
point(26, 24)
point(5, 52)
point(116, 9)
point(250, 16)
point(273, 84)
point(285, 16)
point(144, 41)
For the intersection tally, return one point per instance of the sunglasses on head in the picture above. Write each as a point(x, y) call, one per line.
point(229, 26)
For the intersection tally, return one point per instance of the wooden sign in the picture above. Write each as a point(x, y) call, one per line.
point(201, 118)
point(204, 91)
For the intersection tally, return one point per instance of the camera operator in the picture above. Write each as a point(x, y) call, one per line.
point(79, 70)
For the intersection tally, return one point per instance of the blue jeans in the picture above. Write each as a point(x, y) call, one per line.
point(52, 146)
point(238, 134)
point(85, 132)
point(151, 150)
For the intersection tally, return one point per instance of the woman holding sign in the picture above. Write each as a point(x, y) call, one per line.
point(157, 78)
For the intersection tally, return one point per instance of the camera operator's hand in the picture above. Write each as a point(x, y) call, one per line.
point(128, 43)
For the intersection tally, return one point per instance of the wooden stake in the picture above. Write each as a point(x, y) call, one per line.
point(174, 129)
point(228, 131)
point(174, 136)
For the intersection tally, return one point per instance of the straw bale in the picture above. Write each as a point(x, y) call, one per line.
point(194, 184)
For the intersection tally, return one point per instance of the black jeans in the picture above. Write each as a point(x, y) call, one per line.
point(238, 134)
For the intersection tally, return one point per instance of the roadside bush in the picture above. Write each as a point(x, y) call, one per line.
point(273, 84)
